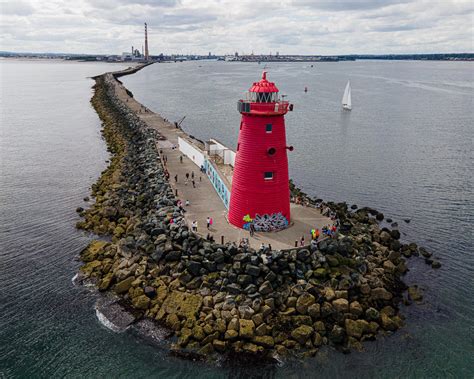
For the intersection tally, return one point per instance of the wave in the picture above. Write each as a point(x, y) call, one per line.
point(106, 322)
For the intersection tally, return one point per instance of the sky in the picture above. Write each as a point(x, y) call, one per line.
point(320, 27)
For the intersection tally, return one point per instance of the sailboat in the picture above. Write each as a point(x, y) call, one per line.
point(346, 99)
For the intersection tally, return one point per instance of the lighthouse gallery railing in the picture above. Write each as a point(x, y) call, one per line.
point(280, 107)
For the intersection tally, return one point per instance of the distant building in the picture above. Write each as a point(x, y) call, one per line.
point(126, 56)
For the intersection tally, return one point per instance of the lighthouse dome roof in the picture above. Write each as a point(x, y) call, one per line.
point(263, 85)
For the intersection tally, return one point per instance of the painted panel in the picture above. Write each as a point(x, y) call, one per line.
point(218, 183)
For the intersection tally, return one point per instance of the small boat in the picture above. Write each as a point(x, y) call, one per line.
point(346, 99)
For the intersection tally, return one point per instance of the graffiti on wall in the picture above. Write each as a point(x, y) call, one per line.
point(266, 223)
point(218, 183)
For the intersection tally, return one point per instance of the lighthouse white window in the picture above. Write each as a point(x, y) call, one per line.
point(269, 128)
point(268, 175)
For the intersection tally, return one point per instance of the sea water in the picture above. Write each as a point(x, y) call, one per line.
point(405, 149)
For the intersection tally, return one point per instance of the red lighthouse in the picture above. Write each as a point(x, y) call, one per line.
point(260, 189)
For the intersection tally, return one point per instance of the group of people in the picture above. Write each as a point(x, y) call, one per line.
point(315, 233)
point(194, 224)
point(193, 182)
point(179, 203)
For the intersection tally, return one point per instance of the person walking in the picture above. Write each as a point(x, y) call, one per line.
point(194, 183)
point(208, 221)
point(192, 174)
point(180, 159)
point(187, 175)
point(211, 221)
point(176, 178)
point(302, 240)
point(252, 229)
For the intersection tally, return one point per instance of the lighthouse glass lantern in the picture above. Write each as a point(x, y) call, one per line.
point(260, 184)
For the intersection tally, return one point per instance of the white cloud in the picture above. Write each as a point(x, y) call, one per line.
point(224, 26)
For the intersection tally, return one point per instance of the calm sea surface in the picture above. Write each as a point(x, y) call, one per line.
point(405, 149)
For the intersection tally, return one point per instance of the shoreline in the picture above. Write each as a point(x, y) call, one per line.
point(224, 299)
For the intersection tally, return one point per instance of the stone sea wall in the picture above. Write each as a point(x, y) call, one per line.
point(221, 298)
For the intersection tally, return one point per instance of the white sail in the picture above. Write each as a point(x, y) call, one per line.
point(346, 99)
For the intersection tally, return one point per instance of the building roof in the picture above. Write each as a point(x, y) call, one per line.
point(264, 85)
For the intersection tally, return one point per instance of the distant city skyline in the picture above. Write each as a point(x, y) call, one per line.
point(307, 27)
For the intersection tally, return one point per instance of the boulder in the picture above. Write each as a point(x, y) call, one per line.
point(183, 304)
point(252, 270)
point(244, 280)
point(141, 302)
point(332, 260)
point(198, 333)
point(326, 309)
point(356, 328)
point(372, 314)
point(337, 334)
point(265, 341)
point(106, 282)
point(231, 335)
point(380, 293)
point(387, 322)
point(150, 292)
point(123, 286)
point(173, 256)
point(266, 288)
point(246, 328)
point(385, 237)
point(251, 348)
point(219, 345)
point(355, 308)
point(414, 293)
point(233, 324)
point(314, 311)
point(302, 334)
point(91, 252)
point(317, 339)
point(304, 301)
point(194, 267)
point(303, 255)
point(341, 305)
point(389, 266)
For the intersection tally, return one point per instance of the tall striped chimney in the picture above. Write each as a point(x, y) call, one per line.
point(146, 42)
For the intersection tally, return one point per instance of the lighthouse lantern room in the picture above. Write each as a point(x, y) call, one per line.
point(260, 184)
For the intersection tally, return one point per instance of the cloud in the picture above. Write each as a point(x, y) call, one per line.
point(348, 5)
point(225, 26)
point(16, 8)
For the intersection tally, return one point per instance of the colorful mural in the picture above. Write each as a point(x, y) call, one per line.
point(218, 183)
point(266, 223)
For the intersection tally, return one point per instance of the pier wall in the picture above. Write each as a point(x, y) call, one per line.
point(191, 151)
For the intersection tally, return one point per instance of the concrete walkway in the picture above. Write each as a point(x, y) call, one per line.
point(204, 201)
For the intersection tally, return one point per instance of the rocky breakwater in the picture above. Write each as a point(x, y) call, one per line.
point(220, 298)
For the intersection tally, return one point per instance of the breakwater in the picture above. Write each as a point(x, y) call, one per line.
point(221, 298)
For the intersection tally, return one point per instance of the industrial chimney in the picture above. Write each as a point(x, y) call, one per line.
point(146, 42)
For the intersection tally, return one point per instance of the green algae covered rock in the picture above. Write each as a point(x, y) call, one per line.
point(91, 252)
point(124, 285)
point(141, 302)
point(185, 305)
point(302, 333)
point(89, 268)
